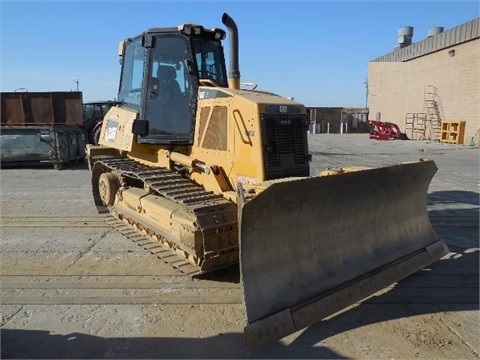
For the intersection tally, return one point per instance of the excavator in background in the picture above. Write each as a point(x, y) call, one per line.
point(219, 175)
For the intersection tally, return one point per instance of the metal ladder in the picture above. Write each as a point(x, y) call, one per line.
point(433, 111)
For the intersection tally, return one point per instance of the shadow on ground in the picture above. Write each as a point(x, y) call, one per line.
point(39, 344)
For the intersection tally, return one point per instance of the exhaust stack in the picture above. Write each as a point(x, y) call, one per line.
point(234, 72)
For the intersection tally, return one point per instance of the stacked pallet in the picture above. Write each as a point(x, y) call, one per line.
point(452, 132)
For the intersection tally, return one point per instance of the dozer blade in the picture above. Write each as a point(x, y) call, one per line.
point(311, 247)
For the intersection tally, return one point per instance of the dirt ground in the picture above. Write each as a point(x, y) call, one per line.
point(74, 287)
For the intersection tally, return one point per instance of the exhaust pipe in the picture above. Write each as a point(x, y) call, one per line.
point(234, 72)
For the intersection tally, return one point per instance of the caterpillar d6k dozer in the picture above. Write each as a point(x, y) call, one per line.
point(220, 175)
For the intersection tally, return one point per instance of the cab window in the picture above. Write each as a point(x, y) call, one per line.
point(130, 91)
point(170, 91)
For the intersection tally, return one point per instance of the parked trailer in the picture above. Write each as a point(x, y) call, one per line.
point(42, 127)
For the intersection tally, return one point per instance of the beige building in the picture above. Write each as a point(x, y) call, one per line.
point(424, 87)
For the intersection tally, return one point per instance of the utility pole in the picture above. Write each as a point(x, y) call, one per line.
point(366, 93)
point(77, 82)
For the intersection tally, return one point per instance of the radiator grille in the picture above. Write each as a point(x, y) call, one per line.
point(285, 145)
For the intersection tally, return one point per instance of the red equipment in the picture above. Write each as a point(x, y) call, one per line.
point(385, 131)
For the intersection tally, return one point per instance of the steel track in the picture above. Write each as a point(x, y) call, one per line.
point(204, 204)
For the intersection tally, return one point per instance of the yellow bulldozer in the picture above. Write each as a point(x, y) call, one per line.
point(218, 173)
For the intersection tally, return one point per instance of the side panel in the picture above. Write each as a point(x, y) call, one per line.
point(69, 142)
point(23, 144)
point(30, 144)
point(41, 108)
point(117, 129)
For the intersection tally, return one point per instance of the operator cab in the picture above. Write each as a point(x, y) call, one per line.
point(161, 71)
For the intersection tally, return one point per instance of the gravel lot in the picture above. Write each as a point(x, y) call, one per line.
point(74, 287)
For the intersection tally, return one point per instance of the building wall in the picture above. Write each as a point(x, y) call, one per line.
point(398, 88)
point(329, 119)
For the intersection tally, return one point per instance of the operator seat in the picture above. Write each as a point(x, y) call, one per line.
point(167, 110)
point(169, 89)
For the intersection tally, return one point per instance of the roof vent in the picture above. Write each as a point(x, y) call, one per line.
point(434, 31)
point(405, 34)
